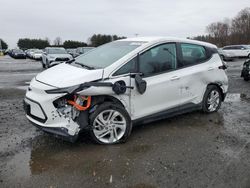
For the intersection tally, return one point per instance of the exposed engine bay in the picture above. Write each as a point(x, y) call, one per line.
point(75, 107)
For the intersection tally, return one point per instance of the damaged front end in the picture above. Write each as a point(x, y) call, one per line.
point(67, 117)
point(75, 108)
point(67, 110)
point(64, 114)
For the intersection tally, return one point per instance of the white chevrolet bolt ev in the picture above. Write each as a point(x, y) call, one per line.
point(126, 82)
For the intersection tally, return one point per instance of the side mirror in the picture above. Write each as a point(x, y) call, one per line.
point(140, 84)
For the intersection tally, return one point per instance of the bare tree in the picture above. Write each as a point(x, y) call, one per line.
point(241, 27)
point(220, 31)
point(58, 41)
point(229, 31)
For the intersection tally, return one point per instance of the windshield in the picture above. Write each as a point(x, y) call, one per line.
point(107, 54)
point(57, 51)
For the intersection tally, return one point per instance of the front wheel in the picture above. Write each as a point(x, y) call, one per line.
point(111, 124)
point(212, 99)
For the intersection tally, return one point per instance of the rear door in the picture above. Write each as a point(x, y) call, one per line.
point(195, 67)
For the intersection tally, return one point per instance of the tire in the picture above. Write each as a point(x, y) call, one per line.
point(47, 64)
point(212, 95)
point(43, 63)
point(103, 131)
point(246, 78)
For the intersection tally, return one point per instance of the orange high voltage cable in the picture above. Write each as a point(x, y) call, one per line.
point(78, 106)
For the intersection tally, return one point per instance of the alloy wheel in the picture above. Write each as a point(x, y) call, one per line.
point(109, 126)
point(213, 100)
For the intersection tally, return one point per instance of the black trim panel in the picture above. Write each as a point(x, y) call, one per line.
point(168, 113)
point(27, 110)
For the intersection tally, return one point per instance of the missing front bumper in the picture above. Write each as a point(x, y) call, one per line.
point(57, 132)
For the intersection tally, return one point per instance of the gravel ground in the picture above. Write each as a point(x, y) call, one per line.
point(191, 150)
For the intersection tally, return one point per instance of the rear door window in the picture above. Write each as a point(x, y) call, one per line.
point(192, 54)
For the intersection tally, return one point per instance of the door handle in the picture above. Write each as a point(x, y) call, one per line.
point(175, 78)
point(210, 68)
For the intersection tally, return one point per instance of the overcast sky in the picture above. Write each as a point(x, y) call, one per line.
point(80, 19)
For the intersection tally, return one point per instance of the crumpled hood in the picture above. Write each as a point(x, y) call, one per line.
point(65, 75)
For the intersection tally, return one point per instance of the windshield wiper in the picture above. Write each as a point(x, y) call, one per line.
point(70, 61)
point(85, 66)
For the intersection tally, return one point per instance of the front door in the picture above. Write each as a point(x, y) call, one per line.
point(158, 66)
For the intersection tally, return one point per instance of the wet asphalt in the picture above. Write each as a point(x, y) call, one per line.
point(190, 150)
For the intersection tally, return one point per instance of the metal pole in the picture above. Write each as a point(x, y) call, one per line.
point(1, 53)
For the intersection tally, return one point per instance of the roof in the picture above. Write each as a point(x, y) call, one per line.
point(170, 39)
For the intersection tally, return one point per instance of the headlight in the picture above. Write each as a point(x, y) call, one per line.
point(68, 90)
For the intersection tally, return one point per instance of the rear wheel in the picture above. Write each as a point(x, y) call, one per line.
point(212, 99)
point(111, 124)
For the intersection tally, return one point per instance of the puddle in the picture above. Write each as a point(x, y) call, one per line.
point(233, 97)
point(18, 167)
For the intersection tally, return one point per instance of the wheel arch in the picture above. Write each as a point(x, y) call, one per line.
point(218, 85)
point(99, 99)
